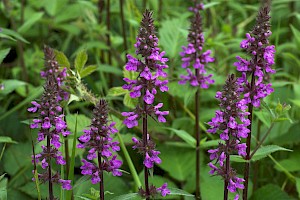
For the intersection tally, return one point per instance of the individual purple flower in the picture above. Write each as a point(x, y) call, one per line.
point(98, 139)
point(163, 190)
point(50, 121)
point(231, 122)
point(193, 55)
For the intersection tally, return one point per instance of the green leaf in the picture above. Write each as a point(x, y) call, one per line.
point(185, 136)
point(116, 91)
point(62, 59)
point(5, 139)
point(130, 102)
point(130, 196)
point(298, 186)
point(80, 60)
point(296, 33)
point(176, 191)
point(3, 187)
point(264, 151)
point(79, 121)
point(177, 163)
point(10, 85)
point(291, 164)
point(13, 35)
point(31, 21)
point(87, 70)
point(3, 54)
point(270, 192)
point(50, 7)
point(172, 35)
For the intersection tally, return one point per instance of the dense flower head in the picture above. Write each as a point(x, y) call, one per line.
point(150, 72)
point(193, 55)
point(260, 64)
point(231, 122)
point(50, 121)
point(98, 139)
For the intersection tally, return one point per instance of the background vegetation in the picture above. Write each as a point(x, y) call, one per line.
point(71, 26)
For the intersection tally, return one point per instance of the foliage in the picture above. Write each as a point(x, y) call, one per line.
point(78, 31)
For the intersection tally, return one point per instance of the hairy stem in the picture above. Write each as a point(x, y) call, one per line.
point(197, 132)
point(227, 170)
point(248, 142)
point(51, 196)
point(101, 177)
point(145, 142)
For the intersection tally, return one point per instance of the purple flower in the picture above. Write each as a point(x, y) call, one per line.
point(193, 54)
point(163, 190)
point(100, 144)
point(232, 124)
point(50, 120)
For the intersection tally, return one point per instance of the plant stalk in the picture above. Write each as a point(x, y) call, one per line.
point(123, 27)
point(101, 177)
point(197, 132)
point(227, 170)
point(145, 142)
point(248, 142)
point(51, 196)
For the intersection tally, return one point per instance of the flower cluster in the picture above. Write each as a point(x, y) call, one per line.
point(231, 121)
point(150, 78)
point(51, 120)
point(260, 64)
point(98, 138)
point(150, 73)
point(192, 54)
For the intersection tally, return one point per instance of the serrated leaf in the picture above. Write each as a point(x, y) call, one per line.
point(5, 139)
point(177, 163)
point(31, 21)
point(130, 102)
point(87, 70)
point(80, 60)
point(3, 54)
point(185, 136)
point(264, 151)
point(116, 91)
point(62, 59)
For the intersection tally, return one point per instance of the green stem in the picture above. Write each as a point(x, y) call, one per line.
point(132, 169)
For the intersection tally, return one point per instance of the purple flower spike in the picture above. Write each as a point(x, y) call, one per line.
point(50, 121)
point(261, 61)
point(149, 81)
point(98, 139)
point(193, 55)
point(230, 121)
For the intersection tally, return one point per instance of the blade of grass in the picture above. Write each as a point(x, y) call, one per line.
point(72, 162)
point(30, 97)
point(133, 171)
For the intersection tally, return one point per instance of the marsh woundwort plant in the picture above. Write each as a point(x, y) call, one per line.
point(257, 69)
point(50, 122)
point(194, 57)
point(231, 122)
point(98, 139)
point(150, 72)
